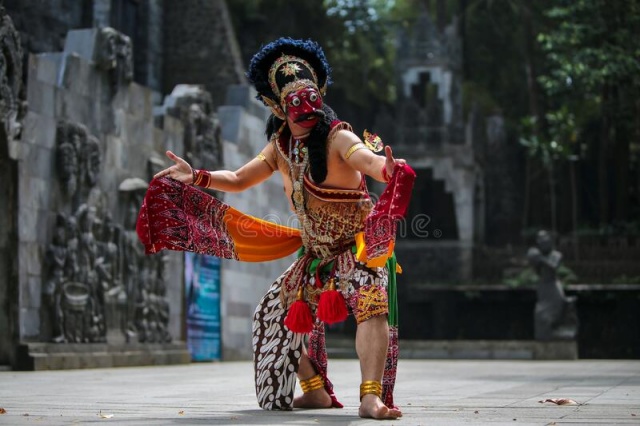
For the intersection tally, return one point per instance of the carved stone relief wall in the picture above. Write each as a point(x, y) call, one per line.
point(12, 109)
point(80, 95)
point(12, 102)
point(89, 136)
point(97, 277)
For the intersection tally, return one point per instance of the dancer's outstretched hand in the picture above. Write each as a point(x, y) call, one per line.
point(180, 171)
point(391, 162)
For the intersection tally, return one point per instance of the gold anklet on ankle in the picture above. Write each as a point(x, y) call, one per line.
point(371, 386)
point(314, 383)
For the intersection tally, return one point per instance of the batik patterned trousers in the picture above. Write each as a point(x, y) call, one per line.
point(277, 350)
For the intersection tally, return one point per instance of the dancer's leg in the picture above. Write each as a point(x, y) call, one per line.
point(372, 339)
point(314, 393)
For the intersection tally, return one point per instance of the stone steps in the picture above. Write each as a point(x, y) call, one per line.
point(51, 356)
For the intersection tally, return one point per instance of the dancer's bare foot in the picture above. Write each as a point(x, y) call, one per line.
point(371, 407)
point(318, 398)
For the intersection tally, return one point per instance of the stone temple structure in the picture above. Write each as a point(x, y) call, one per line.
point(85, 124)
point(446, 214)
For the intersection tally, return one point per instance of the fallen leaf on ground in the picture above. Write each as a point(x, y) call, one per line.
point(560, 401)
point(181, 412)
point(3, 411)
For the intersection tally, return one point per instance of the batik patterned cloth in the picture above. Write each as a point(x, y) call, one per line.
point(179, 217)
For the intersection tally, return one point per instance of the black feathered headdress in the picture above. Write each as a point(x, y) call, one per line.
point(286, 60)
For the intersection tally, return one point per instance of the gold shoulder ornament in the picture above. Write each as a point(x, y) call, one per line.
point(372, 141)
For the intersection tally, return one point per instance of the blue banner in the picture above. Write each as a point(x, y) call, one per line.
point(202, 280)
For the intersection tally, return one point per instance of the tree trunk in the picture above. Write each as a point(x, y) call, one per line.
point(532, 76)
point(623, 136)
point(552, 198)
point(462, 11)
point(534, 108)
point(427, 4)
point(527, 193)
point(603, 190)
point(441, 12)
point(574, 208)
point(636, 142)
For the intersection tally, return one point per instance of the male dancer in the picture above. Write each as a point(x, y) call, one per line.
point(323, 165)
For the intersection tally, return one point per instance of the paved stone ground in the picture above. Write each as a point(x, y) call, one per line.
point(430, 392)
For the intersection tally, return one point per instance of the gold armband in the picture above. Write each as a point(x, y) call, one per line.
point(263, 157)
point(356, 146)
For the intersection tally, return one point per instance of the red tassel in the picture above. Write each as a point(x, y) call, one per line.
point(331, 306)
point(299, 319)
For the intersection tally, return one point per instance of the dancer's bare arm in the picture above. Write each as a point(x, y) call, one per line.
point(252, 173)
point(363, 159)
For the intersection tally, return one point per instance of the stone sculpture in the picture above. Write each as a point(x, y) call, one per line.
point(114, 53)
point(52, 290)
point(555, 314)
point(202, 139)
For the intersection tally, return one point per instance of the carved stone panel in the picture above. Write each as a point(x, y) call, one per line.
point(99, 284)
point(12, 112)
point(114, 53)
point(78, 160)
point(202, 138)
point(12, 104)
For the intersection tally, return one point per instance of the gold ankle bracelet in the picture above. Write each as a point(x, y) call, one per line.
point(314, 383)
point(371, 386)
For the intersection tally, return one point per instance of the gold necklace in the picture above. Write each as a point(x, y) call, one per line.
point(299, 151)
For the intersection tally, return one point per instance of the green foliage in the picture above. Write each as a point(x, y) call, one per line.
point(527, 277)
point(624, 279)
point(496, 51)
point(592, 43)
point(363, 58)
point(562, 136)
point(591, 80)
